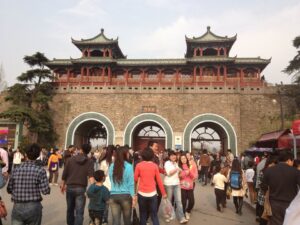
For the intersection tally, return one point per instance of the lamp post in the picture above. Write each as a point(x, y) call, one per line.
point(279, 92)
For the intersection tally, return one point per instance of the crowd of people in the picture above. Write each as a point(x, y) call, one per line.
point(118, 179)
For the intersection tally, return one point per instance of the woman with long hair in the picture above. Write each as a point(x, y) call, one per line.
point(172, 185)
point(147, 178)
point(237, 181)
point(122, 197)
point(104, 164)
point(187, 177)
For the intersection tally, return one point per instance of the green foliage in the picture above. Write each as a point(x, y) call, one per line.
point(30, 100)
point(294, 69)
point(294, 65)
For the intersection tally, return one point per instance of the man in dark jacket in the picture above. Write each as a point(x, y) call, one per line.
point(283, 181)
point(75, 177)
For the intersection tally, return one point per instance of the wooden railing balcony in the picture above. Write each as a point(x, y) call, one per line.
point(181, 80)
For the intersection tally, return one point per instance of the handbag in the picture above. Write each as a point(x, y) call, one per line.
point(267, 207)
point(3, 211)
point(228, 192)
point(2, 179)
point(135, 218)
point(53, 166)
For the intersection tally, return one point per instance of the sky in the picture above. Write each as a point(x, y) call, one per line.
point(148, 28)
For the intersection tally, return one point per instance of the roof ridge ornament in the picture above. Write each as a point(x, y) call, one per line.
point(208, 28)
point(102, 31)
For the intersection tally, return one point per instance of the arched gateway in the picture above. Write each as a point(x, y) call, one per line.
point(148, 126)
point(210, 128)
point(88, 125)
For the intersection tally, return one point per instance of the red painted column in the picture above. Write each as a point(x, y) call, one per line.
point(89, 52)
point(159, 76)
point(218, 51)
point(242, 75)
point(177, 76)
point(126, 76)
point(143, 76)
point(218, 73)
point(194, 75)
point(225, 72)
point(201, 51)
point(109, 74)
point(68, 75)
point(82, 70)
point(201, 72)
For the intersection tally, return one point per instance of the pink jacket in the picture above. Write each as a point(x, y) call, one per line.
point(187, 176)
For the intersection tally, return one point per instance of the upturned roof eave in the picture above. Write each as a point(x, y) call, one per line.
point(91, 41)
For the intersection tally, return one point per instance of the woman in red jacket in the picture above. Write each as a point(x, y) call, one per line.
point(145, 176)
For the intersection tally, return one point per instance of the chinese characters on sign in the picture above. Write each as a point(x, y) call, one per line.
point(148, 109)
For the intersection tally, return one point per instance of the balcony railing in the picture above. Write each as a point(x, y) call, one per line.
point(200, 80)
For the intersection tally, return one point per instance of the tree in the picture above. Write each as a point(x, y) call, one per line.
point(293, 69)
point(30, 100)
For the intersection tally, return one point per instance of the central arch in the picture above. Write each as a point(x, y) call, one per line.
point(212, 120)
point(148, 117)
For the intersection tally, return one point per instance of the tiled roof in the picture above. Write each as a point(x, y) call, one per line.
point(99, 39)
point(210, 37)
point(146, 62)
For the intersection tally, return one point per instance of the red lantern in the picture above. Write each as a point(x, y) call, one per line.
point(296, 127)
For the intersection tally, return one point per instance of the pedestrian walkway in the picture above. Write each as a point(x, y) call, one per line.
point(204, 213)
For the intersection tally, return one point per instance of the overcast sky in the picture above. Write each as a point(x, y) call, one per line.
point(148, 28)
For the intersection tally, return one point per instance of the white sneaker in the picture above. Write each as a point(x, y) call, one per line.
point(168, 220)
point(182, 221)
point(187, 215)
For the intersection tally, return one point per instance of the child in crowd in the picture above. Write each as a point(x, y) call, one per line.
point(98, 195)
point(219, 181)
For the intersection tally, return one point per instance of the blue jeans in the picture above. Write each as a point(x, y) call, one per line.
point(176, 191)
point(148, 205)
point(75, 205)
point(121, 204)
point(27, 213)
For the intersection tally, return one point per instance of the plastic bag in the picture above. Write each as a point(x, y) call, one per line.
point(168, 209)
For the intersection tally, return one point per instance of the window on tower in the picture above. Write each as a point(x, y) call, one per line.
point(210, 52)
point(97, 53)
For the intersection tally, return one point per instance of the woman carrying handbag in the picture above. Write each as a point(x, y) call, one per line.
point(146, 176)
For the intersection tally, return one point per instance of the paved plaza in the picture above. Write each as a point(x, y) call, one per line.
point(204, 213)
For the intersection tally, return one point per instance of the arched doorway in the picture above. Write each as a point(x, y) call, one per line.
point(91, 118)
point(210, 136)
point(144, 118)
point(146, 132)
point(92, 132)
point(220, 130)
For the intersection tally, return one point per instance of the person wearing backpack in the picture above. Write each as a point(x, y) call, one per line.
point(238, 184)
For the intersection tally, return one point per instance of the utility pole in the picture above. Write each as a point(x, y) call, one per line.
point(279, 91)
